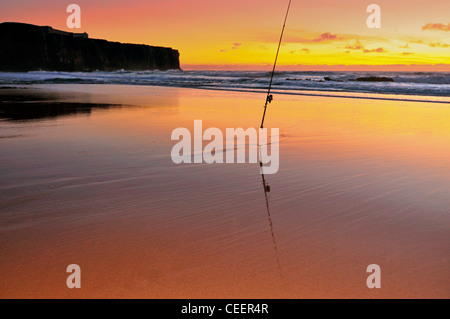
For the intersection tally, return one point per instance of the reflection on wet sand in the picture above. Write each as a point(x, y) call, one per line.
point(266, 187)
point(360, 182)
point(17, 106)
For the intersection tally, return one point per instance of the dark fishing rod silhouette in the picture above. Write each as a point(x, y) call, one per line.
point(267, 189)
point(269, 97)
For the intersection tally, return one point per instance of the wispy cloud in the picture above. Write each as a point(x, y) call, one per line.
point(436, 26)
point(236, 45)
point(422, 42)
point(324, 37)
point(439, 45)
point(377, 50)
point(407, 53)
point(303, 50)
point(356, 46)
point(327, 36)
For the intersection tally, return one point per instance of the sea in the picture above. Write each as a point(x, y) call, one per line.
point(410, 86)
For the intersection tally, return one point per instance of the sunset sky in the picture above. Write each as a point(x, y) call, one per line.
point(238, 34)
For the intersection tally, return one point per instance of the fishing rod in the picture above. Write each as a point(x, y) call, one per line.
point(269, 97)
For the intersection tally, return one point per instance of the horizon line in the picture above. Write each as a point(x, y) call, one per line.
point(319, 67)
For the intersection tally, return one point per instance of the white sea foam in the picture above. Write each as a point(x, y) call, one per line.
point(413, 85)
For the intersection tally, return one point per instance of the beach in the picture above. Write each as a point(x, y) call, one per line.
point(90, 181)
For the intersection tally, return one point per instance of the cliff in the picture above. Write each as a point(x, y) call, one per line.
point(26, 47)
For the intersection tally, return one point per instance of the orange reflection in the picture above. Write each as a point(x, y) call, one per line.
point(360, 181)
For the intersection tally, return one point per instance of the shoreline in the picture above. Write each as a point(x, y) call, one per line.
point(407, 87)
point(314, 93)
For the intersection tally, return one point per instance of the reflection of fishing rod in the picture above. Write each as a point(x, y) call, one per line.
point(269, 97)
point(267, 190)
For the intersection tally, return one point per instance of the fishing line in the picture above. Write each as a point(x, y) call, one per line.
point(269, 97)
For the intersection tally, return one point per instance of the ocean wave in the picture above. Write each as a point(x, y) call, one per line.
point(400, 83)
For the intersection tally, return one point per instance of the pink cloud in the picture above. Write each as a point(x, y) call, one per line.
point(436, 26)
point(236, 45)
point(439, 45)
point(377, 50)
point(324, 37)
point(305, 50)
point(356, 46)
point(327, 36)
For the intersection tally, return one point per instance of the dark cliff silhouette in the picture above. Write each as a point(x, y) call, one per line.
point(26, 47)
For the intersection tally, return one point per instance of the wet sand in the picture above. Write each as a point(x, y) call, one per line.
point(360, 182)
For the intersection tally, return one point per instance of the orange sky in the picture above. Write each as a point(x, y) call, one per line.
point(237, 34)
